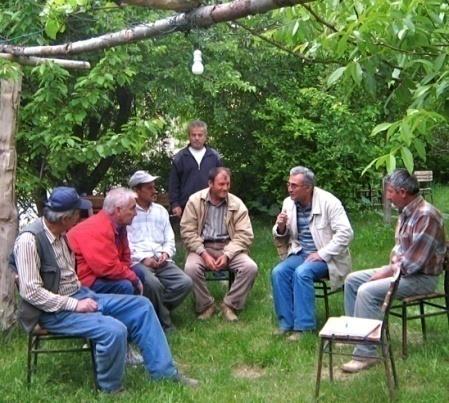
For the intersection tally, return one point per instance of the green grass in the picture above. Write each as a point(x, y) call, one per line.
point(218, 353)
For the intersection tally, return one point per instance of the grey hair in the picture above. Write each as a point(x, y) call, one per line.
point(117, 197)
point(309, 176)
point(402, 179)
point(57, 216)
point(197, 123)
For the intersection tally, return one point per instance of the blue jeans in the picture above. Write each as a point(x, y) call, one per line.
point(119, 317)
point(364, 298)
point(124, 286)
point(294, 292)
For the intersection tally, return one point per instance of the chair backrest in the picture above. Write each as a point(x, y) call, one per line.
point(424, 176)
point(282, 245)
point(446, 270)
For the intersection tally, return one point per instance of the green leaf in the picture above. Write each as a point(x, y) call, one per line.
point(420, 148)
point(406, 133)
point(380, 128)
point(356, 72)
point(52, 27)
point(335, 76)
point(391, 162)
point(407, 158)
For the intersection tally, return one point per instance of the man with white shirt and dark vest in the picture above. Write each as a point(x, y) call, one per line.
point(191, 166)
point(52, 296)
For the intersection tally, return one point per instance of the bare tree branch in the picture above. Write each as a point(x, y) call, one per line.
point(34, 61)
point(202, 17)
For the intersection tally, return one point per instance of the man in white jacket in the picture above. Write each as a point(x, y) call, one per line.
point(313, 225)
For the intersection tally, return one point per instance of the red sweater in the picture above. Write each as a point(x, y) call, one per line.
point(97, 253)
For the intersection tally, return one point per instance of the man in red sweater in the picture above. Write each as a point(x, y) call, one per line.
point(101, 247)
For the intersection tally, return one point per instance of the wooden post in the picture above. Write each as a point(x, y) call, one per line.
point(9, 106)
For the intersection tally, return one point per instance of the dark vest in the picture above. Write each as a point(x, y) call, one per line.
point(49, 272)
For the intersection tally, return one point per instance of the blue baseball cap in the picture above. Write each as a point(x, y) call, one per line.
point(64, 198)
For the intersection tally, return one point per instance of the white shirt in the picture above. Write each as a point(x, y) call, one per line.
point(150, 233)
point(198, 154)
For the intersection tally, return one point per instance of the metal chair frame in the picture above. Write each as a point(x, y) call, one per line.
point(380, 339)
point(400, 310)
point(323, 291)
point(222, 275)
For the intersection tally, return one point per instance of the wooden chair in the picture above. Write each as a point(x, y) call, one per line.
point(437, 301)
point(37, 341)
point(425, 179)
point(352, 331)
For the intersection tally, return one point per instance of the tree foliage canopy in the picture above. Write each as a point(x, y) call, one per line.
point(392, 50)
point(302, 85)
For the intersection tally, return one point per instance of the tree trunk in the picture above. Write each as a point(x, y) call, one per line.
point(9, 106)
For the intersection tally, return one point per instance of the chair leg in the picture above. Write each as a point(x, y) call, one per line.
point(404, 331)
point(331, 362)
point(392, 363)
point(423, 320)
point(231, 279)
point(94, 365)
point(388, 373)
point(447, 307)
point(326, 301)
point(29, 359)
point(318, 371)
point(36, 346)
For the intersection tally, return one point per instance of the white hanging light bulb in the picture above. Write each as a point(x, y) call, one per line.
point(197, 66)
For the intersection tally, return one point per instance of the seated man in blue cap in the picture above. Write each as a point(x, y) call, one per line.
point(53, 297)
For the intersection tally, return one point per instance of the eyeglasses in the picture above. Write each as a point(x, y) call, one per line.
point(296, 185)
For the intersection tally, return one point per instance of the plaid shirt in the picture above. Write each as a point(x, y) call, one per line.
point(419, 240)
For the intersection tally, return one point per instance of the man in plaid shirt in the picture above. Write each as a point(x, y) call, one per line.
point(418, 252)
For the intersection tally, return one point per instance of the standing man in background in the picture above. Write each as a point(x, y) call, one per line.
point(191, 166)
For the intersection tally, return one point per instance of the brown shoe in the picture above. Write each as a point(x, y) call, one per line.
point(281, 332)
point(354, 366)
point(295, 336)
point(228, 313)
point(207, 313)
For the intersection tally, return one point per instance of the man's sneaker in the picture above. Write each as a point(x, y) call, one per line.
point(185, 380)
point(228, 313)
point(133, 357)
point(295, 336)
point(207, 313)
point(281, 332)
point(354, 366)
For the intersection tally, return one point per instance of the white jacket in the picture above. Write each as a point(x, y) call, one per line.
point(331, 231)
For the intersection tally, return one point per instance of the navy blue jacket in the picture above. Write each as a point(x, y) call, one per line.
point(185, 176)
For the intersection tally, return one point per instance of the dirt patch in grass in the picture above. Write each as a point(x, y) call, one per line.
point(246, 372)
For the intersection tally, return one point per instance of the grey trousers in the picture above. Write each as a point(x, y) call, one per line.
point(242, 265)
point(364, 299)
point(166, 287)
